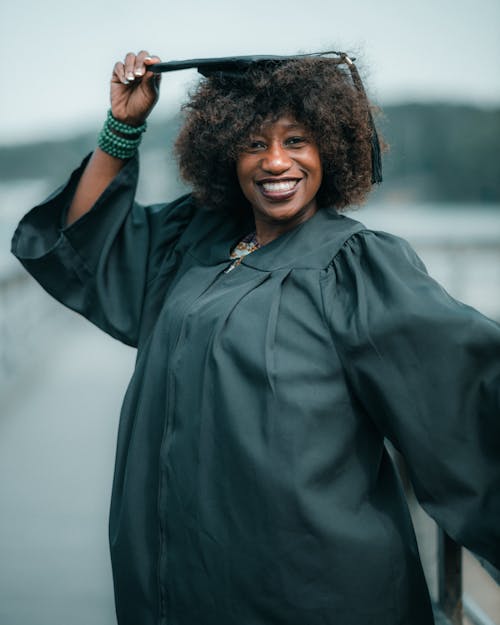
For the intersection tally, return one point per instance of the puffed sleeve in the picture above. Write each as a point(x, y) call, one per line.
point(101, 264)
point(426, 368)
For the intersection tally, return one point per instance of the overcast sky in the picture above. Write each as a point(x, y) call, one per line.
point(57, 56)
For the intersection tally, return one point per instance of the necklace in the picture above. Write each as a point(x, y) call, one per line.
point(246, 246)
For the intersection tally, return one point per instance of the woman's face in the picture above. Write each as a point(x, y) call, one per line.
point(280, 173)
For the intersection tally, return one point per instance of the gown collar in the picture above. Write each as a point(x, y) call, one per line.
point(311, 244)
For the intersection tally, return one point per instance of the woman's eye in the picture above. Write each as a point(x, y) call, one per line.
point(296, 141)
point(254, 145)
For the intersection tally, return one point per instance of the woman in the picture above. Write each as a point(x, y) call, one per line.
point(252, 485)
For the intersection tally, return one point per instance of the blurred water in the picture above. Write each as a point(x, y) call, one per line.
point(57, 439)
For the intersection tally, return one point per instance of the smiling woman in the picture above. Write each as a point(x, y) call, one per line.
point(279, 344)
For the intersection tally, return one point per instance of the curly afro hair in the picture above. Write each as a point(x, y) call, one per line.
point(226, 108)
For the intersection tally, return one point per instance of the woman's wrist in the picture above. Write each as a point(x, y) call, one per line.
point(120, 139)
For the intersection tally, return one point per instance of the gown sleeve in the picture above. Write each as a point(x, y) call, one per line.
point(426, 369)
point(100, 265)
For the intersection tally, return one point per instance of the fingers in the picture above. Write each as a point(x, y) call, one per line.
point(119, 73)
point(135, 66)
point(142, 61)
point(129, 66)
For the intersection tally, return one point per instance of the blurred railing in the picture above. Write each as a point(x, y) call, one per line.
point(450, 578)
point(450, 603)
point(453, 604)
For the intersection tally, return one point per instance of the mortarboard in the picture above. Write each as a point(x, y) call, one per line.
point(238, 65)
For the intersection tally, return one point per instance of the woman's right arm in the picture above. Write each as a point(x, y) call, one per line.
point(134, 92)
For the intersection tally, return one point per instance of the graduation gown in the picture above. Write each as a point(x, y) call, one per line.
point(252, 485)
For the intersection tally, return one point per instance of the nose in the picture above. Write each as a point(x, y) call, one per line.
point(276, 159)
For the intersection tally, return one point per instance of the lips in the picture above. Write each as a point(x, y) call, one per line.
point(281, 189)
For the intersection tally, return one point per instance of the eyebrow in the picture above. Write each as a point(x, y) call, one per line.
point(290, 126)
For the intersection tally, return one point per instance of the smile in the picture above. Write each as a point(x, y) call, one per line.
point(278, 190)
point(282, 185)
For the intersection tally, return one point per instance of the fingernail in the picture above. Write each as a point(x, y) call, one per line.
point(125, 81)
point(138, 72)
point(148, 58)
point(130, 76)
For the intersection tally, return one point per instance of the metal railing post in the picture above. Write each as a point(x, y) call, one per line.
point(450, 578)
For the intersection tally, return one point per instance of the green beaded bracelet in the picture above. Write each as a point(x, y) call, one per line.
point(125, 129)
point(123, 147)
point(122, 141)
point(116, 149)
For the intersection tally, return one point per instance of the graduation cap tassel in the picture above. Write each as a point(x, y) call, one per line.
point(376, 154)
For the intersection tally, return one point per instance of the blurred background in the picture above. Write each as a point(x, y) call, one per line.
point(433, 69)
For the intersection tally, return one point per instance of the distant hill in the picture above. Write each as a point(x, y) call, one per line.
point(50, 160)
point(438, 152)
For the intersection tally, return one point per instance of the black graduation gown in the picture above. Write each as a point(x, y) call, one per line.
point(252, 485)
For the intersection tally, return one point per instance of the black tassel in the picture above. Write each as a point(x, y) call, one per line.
point(376, 155)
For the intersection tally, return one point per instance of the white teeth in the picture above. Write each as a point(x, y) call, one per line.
point(285, 185)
